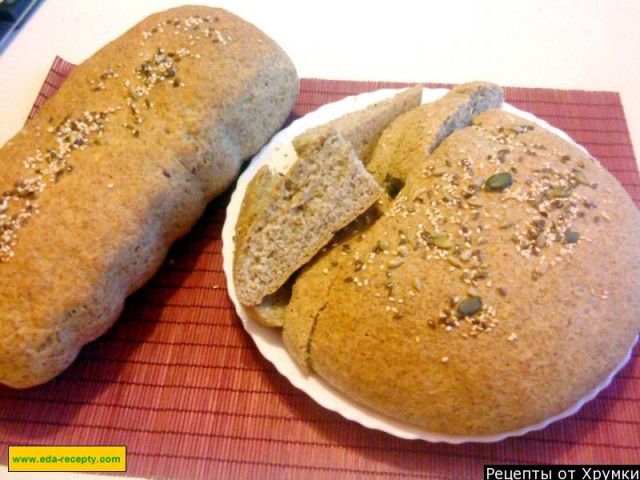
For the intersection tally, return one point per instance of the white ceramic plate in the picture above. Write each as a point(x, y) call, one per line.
point(279, 154)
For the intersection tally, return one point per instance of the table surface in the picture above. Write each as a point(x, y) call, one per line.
point(537, 44)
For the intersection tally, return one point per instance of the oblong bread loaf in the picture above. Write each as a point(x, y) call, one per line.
point(117, 165)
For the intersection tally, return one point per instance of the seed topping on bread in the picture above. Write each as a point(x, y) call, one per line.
point(54, 159)
point(459, 209)
point(47, 167)
point(119, 164)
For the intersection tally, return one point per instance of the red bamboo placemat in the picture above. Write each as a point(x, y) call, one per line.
point(179, 382)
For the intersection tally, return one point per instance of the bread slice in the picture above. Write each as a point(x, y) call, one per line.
point(363, 127)
point(324, 190)
point(271, 311)
point(252, 202)
point(415, 134)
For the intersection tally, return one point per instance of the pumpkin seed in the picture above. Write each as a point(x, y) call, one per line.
point(469, 306)
point(559, 192)
point(571, 236)
point(580, 176)
point(441, 241)
point(499, 181)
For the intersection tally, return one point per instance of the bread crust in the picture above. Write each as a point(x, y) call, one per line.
point(557, 315)
point(150, 129)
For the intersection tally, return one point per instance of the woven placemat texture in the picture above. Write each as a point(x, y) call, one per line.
point(179, 382)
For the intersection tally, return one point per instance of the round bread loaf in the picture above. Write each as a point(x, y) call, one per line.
point(117, 165)
point(498, 289)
